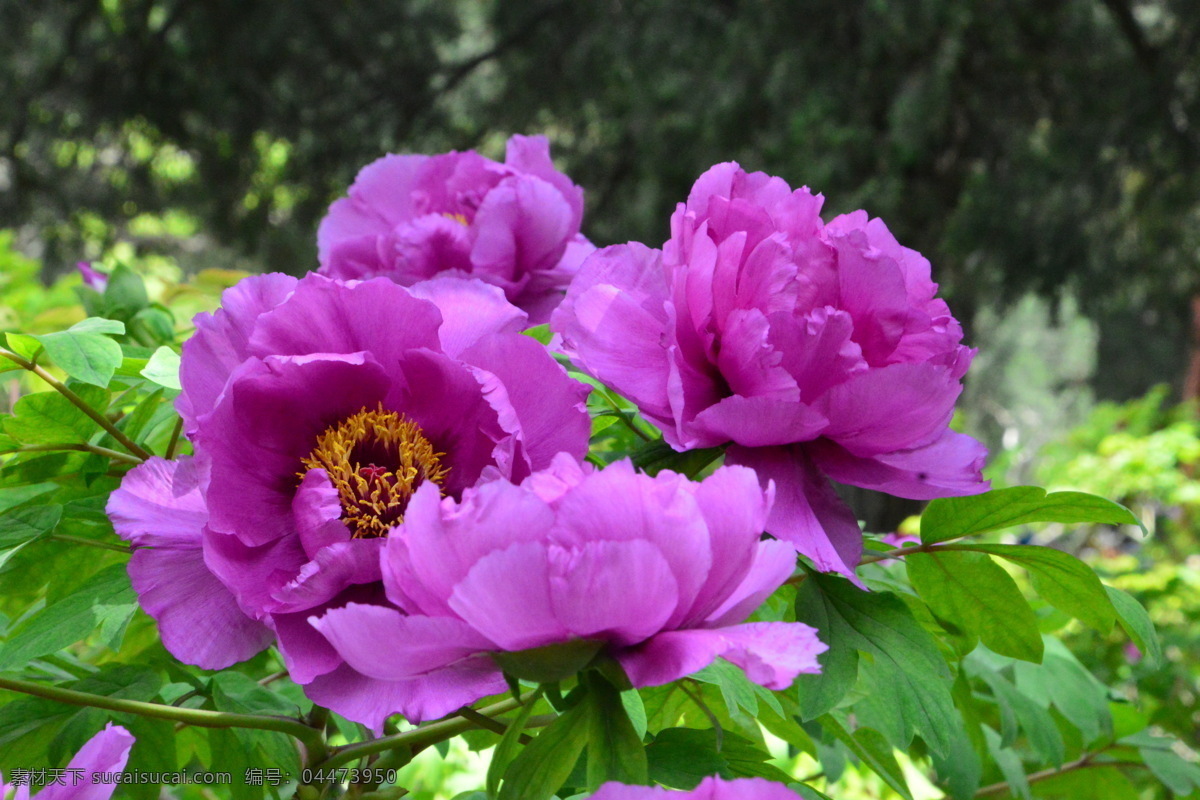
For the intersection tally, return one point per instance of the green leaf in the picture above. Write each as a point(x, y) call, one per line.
point(1062, 580)
point(819, 694)
point(614, 749)
point(636, 711)
point(545, 764)
point(905, 657)
point(873, 750)
point(1081, 698)
point(503, 755)
point(1017, 709)
point(125, 293)
point(50, 418)
point(163, 368)
point(1100, 783)
point(26, 524)
point(977, 595)
point(105, 601)
point(1180, 776)
point(1009, 763)
point(23, 345)
point(682, 757)
point(540, 332)
point(809, 793)
point(84, 352)
point(954, 517)
point(1137, 624)
point(235, 691)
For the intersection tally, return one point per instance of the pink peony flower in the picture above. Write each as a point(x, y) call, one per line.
point(316, 409)
point(93, 278)
point(541, 578)
point(105, 753)
point(514, 225)
point(812, 350)
point(711, 788)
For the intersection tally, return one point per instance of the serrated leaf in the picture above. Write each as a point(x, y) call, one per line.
point(682, 757)
point(873, 750)
point(26, 524)
point(905, 656)
point(977, 595)
point(1062, 580)
point(50, 418)
point(544, 765)
point(105, 599)
point(614, 750)
point(1075, 692)
point(953, 517)
point(163, 368)
point(1137, 624)
point(84, 352)
point(1023, 712)
point(819, 694)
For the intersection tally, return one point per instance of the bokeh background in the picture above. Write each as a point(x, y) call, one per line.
point(1044, 155)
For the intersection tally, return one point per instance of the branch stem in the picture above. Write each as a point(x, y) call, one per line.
point(313, 740)
point(83, 447)
point(78, 402)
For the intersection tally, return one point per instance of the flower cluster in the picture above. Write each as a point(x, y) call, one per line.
point(390, 482)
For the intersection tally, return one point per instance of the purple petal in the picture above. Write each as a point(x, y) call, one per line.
point(536, 402)
point(379, 199)
point(326, 316)
point(471, 310)
point(198, 618)
point(621, 592)
point(371, 701)
point(253, 574)
point(386, 644)
point(522, 226)
point(774, 562)
point(159, 503)
point(949, 467)
point(515, 614)
point(531, 155)
point(897, 407)
point(807, 513)
point(425, 559)
point(335, 567)
point(757, 422)
point(221, 341)
point(317, 512)
point(771, 653)
point(106, 752)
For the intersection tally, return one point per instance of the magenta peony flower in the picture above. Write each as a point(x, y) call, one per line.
point(85, 778)
point(813, 350)
point(317, 408)
point(541, 578)
point(711, 788)
point(514, 225)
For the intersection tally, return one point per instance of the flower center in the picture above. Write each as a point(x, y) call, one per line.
point(376, 460)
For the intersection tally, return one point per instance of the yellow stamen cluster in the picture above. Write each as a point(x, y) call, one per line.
point(376, 460)
point(461, 219)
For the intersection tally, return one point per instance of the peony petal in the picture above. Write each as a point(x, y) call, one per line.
point(774, 562)
point(335, 567)
point(159, 503)
point(317, 513)
point(253, 574)
point(386, 644)
point(807, 513)
point(327, 316)
point(621, 592)
point(380, 197)
point(470, 311)
point(516, 614)
point(531, 155)
point(221, 341)
point(198, 618)
point(371, 701)
point(771, 653)
point(949, 467)
point(104, 754)
point(522, 226)
point(536, 402)
point(757, 422)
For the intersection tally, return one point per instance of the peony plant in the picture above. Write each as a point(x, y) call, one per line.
point(343, 519)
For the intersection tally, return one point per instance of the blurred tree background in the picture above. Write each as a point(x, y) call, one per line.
point(1044, 155)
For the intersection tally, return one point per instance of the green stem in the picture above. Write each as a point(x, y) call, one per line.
point(82, 447)
point(416, 739)
point(313, 740)
point(78, 402)
point(173, 445)
point(1086, 762)
point(62, 537)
